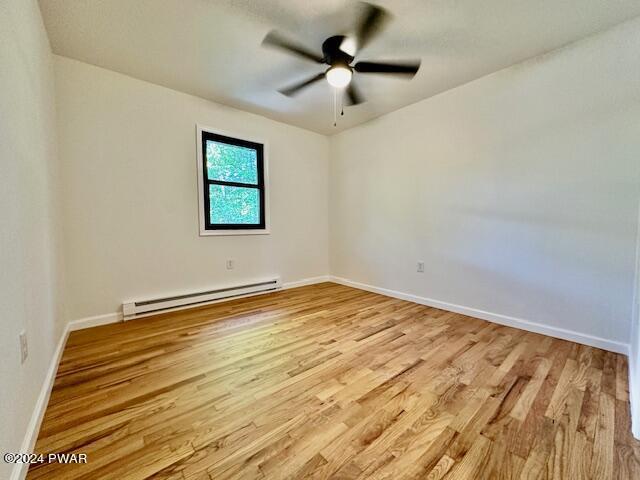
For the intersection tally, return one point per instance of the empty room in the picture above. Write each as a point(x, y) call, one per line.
point(320, 239)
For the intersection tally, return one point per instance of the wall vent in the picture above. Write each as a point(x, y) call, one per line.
point(138, 308)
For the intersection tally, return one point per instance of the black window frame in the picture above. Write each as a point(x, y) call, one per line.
point(206, 182)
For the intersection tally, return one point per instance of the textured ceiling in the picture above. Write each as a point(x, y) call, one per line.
point(211, 48)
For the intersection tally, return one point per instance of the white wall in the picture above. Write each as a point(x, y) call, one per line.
point(29, 272)
point(519, 191)
point(128, 153)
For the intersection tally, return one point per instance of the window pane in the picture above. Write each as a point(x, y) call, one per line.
point(234, 205)
point(231, 163)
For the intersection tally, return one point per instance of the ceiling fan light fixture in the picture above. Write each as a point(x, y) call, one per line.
point(339, 77)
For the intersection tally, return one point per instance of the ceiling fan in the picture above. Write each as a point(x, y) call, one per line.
point(339, 51)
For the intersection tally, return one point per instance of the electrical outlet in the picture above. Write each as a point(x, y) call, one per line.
point(231, 264)
point(24, 347)
point(420, 268)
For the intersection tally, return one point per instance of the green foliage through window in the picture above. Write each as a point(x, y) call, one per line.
point(233, 175)
point(231, 163)
point(234, 205)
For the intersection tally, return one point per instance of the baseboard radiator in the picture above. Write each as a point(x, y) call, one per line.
point(138, 308)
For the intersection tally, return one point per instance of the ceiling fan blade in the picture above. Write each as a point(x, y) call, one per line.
point(409, 69)
point(354, 96)
point(371, 21)
point(293, 89)
point(274, 39)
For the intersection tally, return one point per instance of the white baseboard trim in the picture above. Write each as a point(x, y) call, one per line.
point(33, 428)
point(306, 281)
point(534, 327)
point(95, 321)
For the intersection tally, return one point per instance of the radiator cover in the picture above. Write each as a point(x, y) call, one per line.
point(137, 308)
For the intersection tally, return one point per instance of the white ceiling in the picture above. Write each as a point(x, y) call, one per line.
point(211, 48)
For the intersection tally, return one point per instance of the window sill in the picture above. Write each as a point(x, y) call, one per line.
point(218, 233)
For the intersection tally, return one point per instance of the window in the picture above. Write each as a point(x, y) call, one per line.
point(232, 185)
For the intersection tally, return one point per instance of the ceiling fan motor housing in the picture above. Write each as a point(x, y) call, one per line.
point(333, 55)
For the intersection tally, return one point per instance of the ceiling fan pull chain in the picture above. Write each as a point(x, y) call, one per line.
point(335, 107)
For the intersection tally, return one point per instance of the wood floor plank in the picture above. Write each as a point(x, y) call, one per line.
point(330, 382)
point(603, 454)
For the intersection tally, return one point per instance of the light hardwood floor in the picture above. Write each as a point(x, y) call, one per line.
point(327, 381)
